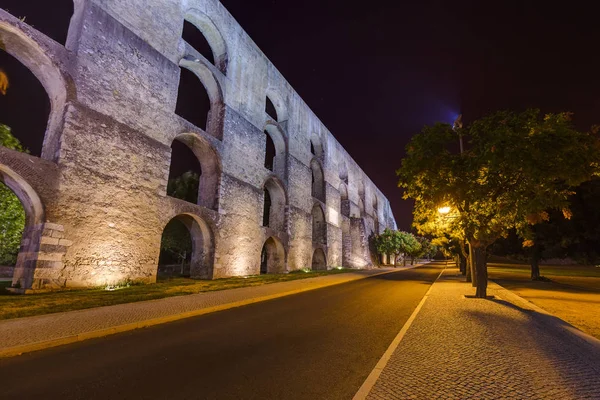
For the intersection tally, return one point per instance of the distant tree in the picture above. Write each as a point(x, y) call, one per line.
point(409, 246)
point(388, 243)
point(185, 187)
point(428, 249)
point(515, 167)
point(12, 215)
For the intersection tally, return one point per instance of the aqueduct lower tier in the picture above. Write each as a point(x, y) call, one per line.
point(276, 191)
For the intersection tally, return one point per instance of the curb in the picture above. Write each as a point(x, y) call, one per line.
point(368, 384)
point(589, 339)
point(46, 344)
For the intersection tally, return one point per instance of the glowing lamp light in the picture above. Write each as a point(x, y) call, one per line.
point(444, 210)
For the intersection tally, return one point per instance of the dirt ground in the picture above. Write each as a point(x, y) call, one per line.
point(575, 299)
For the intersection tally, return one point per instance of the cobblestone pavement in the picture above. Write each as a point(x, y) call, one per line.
point(465, 348)
point(78, 325)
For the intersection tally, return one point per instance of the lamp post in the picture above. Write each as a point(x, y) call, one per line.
point(455, 127)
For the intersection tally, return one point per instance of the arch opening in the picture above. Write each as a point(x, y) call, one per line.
point(186, 249)
point(375, 213)
point(270, 109)
point(270, 153)
point(12, 228)
point(266, 207)
point(16, 44)
point(22, 215)
point(200, 32)
point(318, 181)
point(361, 198)
point(24, 105)
point(344, 201)
point(275, 150)
point(274, 203)
point(195, 171)
point(316, 148)
point(319, 226)
point(343, 168)
point(184, 174)
point(272, 257)
point(193, 102)
point(195, 38)
point(319, 260)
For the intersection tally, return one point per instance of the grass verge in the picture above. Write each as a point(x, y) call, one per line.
point(17, 306)
point(548, 270)
point(572, 292)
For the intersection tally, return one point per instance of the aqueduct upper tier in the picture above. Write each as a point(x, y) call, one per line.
point(276, 191)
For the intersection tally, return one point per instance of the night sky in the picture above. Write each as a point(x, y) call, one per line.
point(376, 75)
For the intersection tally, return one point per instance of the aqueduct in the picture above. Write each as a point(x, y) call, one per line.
point(277, 192)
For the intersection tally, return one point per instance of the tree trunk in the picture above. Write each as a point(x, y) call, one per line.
point(471, 267)
point(481, 276)
point(395, 260)
point(535, 262)
point(404, 261)
point(463, 259)
point(462, 264)
point(412, 261)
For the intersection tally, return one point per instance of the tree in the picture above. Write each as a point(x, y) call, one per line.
point(388, 242)
point(428, 249)
point(515, 167)
point(185, 187)
point(445, 230)
point(409, 245)
point(12, 215)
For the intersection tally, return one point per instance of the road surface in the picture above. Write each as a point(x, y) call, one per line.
point(320, 344)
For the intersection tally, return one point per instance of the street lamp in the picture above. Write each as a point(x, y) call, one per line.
point(444, 210)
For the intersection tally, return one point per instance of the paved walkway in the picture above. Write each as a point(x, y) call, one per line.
point(39, 332)
point(465, 348)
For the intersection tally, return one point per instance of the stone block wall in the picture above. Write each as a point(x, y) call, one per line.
point(96, 201)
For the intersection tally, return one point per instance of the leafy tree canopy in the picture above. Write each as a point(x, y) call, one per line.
point(516, 166)
point(12, 215)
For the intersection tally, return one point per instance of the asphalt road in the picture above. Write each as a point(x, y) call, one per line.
point(320, 344)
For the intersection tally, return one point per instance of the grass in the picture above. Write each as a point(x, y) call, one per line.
point(572, 292)
point(16, 306)
point(548, 270)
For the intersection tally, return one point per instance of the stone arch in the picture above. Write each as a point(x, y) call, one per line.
point(343, 169)
point(277, 136)
point(272, 257)
point(319, 226)
point(375, 205)
point(202, 259)
point(361, 198)
point(319, 260)
point(279, 108)
point(24, 272)
point(212, 87)
point(316, 147)
point(210, 164)
point(345, 224)
point(318, 180)
point(32, 56)
point(212, 35)
point(274, 213)
point(344, 201)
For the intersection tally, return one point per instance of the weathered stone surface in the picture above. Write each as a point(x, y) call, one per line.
point(96, 200)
